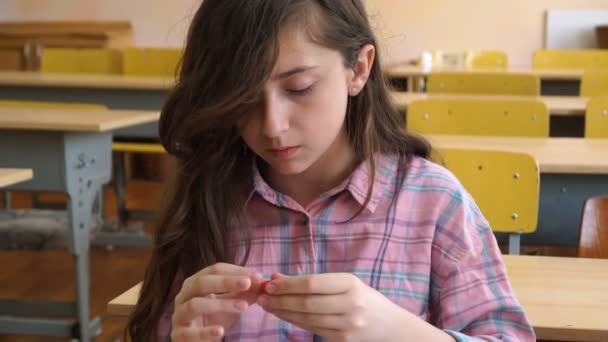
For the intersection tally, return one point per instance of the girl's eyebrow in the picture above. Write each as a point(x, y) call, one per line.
point(294, 71)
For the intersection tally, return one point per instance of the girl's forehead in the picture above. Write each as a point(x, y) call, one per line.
point(296, 49)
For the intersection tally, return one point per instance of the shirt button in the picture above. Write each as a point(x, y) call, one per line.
point(304, 220)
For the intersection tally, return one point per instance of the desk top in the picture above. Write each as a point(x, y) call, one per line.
point(57, 80)
point(554, 155)
point(557, 105)
point(73, 120)
point(544, 74)
point(13, 176)
point(564, 298)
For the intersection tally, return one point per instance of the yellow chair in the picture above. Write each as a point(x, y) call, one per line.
point(504, 185)
point(151, 61)
point(478, 116)
point(571, 59)
point(81, 61)
point(594, 83)
point(486, 83)
point(51, 105)
point(159, 62)
point(486, 59)
point(596, 118)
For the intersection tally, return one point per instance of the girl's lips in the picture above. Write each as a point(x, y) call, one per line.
point(284, 153)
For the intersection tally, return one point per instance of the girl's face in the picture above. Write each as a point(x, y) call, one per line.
point(301, 115)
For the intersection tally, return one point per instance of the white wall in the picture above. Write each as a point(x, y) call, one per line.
point(406, 27)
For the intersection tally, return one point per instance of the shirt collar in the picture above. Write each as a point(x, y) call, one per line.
point(356, 184)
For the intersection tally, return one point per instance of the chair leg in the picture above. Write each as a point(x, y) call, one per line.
point(7, 200)
point(514, 244)
point(120, 184)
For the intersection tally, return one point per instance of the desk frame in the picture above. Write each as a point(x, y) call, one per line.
point(78, 164)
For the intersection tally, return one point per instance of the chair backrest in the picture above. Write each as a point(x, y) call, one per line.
point(478, 116)
point(51, 105)
point(594, 83)
point(486, 59)
point(596, 118)
point(594, 228)
point(571, 59)
point(151, 61)
point(488, 83)
point(86, 61)
point(505, 186)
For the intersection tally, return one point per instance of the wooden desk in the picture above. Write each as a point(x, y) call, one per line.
point(557, 105)
point(13, 176)
point(572, 170)
point(553, 81)
point(69, 152)
point(543, 74)
point(57, 80)
point(113, 91)
point(72, 121)
point(565, 298)
point(554, 155)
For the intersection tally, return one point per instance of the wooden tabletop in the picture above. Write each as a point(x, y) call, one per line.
point(57, 80)
point(13, 176)
point(557, 105)
point(564, 298)
point(554, 155)
point(544, 74)
point(73, 120)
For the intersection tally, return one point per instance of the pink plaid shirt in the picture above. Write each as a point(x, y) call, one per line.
point(421, 241)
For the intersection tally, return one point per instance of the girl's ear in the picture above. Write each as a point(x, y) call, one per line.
point(362, 68)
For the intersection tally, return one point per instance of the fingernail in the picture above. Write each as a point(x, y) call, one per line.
point(271, 288)
point(263, 300)
point(241, 306)
point(216, 332)
point(243, 283)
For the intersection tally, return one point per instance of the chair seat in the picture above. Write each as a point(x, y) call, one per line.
point(594, 229)
point(132, 147)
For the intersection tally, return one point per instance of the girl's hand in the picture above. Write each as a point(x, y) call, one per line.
point(211, 301)
point(336, 306)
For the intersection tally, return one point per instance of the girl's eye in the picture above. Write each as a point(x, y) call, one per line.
point(300, 92)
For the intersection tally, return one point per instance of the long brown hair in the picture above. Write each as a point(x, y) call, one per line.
point(231, 49)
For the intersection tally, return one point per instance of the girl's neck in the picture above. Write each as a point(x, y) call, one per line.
point(331, 169)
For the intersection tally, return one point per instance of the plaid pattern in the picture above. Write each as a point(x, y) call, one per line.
point(421, 241)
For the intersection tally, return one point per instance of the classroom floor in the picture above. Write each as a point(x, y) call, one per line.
point(48, 274)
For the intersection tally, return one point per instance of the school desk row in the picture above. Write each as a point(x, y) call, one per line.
point(553, 81)
point(564, 298)
point(572, 169)
point(70, 152)
point(149, 93)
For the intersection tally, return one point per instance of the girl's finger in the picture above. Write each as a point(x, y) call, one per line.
point(186, 312)
point(205, 284)
point(197, 334)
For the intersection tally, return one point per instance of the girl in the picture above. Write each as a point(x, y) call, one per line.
point(293, 165)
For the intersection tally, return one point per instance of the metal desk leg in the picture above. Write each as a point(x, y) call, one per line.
point(121, 233)
point(85, 174)
point(77, 164)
